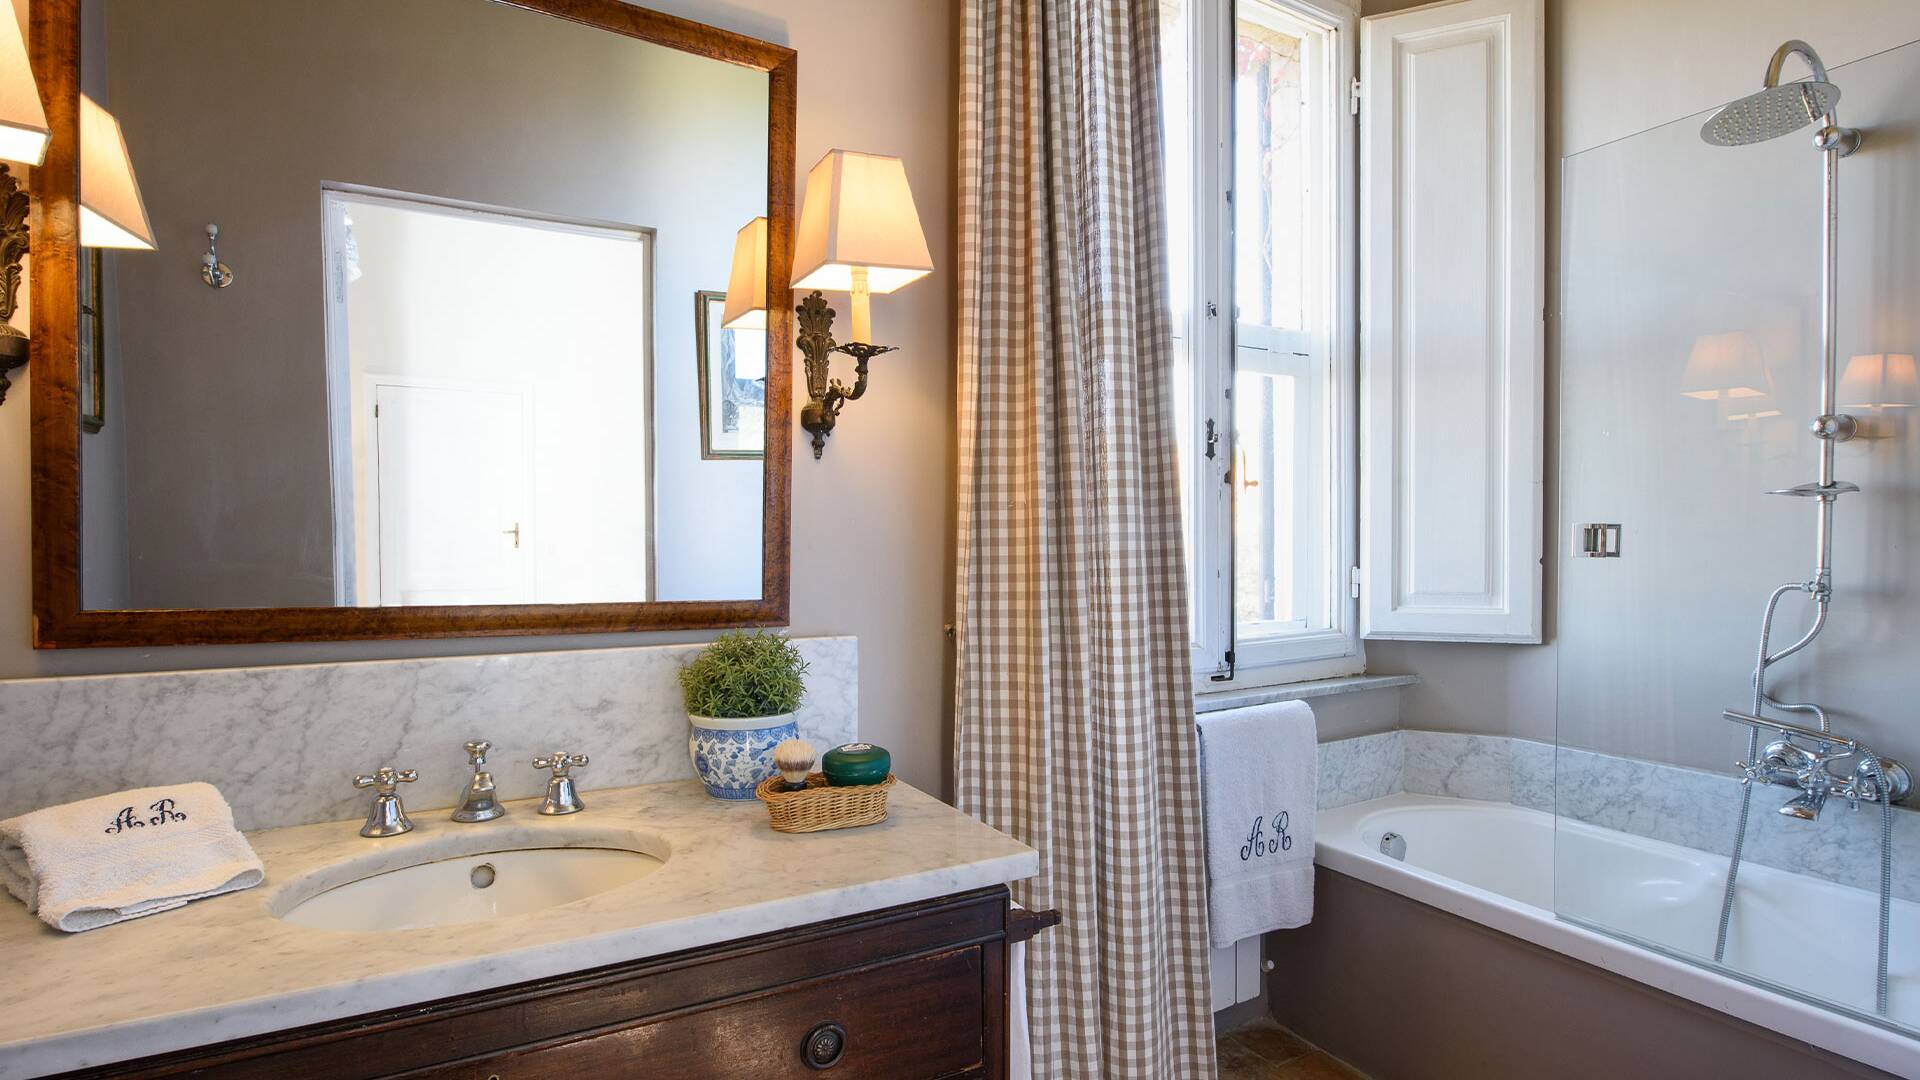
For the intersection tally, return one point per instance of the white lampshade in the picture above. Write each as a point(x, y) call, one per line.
point(746, 307)
point(749, 353)
point(23, 122)
point(1880, 381)
point(1723, 366)
point(111, 212)
point(859, 213)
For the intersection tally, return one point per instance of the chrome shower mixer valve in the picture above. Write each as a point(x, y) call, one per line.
point(1822, 767)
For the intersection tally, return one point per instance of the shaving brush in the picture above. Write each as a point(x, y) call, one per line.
point(794, 758)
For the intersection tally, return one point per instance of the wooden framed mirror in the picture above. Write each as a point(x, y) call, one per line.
point(437, 374)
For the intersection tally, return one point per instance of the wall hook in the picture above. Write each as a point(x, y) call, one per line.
point(212, 271)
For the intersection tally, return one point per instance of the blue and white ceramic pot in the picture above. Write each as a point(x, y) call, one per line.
point(732, 755)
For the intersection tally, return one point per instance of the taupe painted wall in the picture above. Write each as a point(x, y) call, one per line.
point(1614, 68)
point(871, 521)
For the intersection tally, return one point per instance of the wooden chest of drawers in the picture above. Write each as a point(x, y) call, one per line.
point(909, 993)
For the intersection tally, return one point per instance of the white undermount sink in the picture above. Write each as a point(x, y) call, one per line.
point(471, 888)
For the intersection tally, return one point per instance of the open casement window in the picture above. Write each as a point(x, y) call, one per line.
point(1267, 187)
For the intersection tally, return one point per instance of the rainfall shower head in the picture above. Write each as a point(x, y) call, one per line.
point(1771, 113)
point(1784, 109)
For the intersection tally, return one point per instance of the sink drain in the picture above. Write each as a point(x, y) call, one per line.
point(482, 875)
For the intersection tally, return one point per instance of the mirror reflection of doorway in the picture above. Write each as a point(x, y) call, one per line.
point(490, 394)
point(451, 469)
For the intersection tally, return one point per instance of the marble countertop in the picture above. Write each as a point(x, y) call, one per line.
point(228, 967)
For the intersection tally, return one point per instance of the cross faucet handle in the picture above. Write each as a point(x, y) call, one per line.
point(560, 762)
point(561, 796)
point(477, 752)
point(385, 778)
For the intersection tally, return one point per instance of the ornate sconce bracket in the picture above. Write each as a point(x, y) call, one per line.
point(826, 396)
point(14, 347)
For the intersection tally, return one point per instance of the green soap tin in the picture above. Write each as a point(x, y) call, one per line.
point(856, 765)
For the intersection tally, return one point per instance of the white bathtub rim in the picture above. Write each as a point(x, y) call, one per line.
point(1335, 849)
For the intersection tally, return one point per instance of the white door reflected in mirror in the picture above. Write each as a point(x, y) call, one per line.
point(452, 466)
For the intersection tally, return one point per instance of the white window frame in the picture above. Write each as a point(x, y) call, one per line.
point(1220, 663)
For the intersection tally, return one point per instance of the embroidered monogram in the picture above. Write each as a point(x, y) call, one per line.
point(1258, 844)
point(163, 812)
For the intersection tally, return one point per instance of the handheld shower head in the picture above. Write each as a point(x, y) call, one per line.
point(1778, 109)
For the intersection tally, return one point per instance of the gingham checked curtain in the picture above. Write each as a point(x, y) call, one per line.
point(1073, 713)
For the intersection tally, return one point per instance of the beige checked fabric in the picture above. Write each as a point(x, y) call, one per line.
point(1073, 710)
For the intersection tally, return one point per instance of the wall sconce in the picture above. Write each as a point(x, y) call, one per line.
point(858, 233)
point(111, 211)
point(112, 214)
point(15, 348)
point(746, 306)
point(23, 123)
point(23, 138)
point(1723, 366)
point(1879, 381)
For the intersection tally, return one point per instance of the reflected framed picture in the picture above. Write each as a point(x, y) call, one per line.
point(93, 344)
point(733, 383)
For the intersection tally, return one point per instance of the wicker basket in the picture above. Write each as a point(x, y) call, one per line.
point(818, 807)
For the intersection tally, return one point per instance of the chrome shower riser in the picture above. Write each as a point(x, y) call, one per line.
point(1800, 756)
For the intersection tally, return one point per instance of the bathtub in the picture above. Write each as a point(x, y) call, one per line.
point(1495, 863)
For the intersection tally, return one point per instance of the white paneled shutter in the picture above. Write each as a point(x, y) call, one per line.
point(1451, 297)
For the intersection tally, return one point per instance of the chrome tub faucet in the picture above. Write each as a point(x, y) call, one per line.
point(480, 803)
point(1822, 765)
point(386, 817)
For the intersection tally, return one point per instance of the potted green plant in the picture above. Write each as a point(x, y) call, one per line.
point(741, 694)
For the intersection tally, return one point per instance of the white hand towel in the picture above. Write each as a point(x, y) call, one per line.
point(1259, 779)
point(104, 860)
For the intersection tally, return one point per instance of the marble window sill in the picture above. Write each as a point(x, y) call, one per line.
point(1300, 691)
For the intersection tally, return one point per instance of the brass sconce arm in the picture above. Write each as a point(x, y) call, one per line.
point(826, 396)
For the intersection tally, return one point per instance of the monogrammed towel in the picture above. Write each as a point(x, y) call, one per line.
point(100, 861)
point(1258, 780)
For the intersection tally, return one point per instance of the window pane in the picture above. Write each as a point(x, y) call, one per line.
point(1178, 171)
point(1282, 531)
point(1284, 537)
point(1270, 218)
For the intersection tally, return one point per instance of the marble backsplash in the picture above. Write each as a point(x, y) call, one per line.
point(1678, 805)
point(284, 743)
point(1355, 770)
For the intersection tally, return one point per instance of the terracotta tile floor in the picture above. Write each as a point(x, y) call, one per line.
point(1264, 1050)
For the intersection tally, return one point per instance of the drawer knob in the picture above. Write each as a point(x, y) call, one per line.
point(825, 1046)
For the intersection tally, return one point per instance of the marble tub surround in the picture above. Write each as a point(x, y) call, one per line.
point(229, 967)
point(284, 743)
point(1358, 769)
point(1701, 810)
point(1689, 807)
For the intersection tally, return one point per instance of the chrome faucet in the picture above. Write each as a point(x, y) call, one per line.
point(1822, 765)
point(386, 817)
point(561, 797)
point(479, 803)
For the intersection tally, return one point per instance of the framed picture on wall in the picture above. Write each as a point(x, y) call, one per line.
point(93, 344)
point(733, 383)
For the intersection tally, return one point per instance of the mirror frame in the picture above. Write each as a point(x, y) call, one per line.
point(59, 621)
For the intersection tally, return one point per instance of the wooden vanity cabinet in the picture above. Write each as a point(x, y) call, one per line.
point(908, 993)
